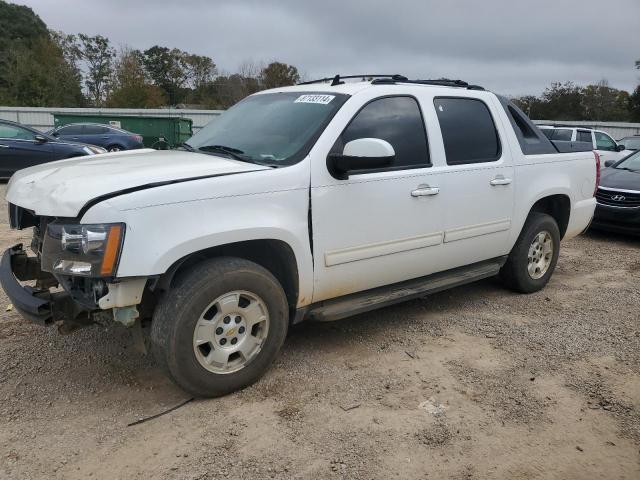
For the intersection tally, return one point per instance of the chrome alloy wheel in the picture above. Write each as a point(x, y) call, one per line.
point(230, 332)
point(540, 255)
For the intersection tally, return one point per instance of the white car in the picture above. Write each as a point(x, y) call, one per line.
point(317, 201)
point(607, 147)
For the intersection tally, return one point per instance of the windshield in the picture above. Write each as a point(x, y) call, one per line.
point(631, 143)
point(271, 128)
point(632, 162)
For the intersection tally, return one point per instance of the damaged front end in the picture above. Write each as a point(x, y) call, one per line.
point(72, 275)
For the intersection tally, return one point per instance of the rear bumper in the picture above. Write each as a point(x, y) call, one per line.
point(617, 219)
point(38, 306)
point(581, 215)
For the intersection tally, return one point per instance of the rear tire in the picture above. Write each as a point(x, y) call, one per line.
point(221, 327)
point(114, 148)
point(534, 256)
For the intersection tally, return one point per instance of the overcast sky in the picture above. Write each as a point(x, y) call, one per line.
point(509, 46)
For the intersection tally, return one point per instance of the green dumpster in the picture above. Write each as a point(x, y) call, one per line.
point(157, 132)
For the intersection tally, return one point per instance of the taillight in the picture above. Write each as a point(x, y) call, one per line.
point(138, 138)
point(597, 155)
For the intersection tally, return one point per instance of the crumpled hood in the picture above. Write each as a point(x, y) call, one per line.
point(62, 188)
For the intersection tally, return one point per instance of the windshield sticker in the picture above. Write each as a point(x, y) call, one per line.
point(321, 99)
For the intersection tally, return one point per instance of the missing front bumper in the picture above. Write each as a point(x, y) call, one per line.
point(38, 305)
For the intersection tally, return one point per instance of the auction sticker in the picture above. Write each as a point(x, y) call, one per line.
point(321, 99)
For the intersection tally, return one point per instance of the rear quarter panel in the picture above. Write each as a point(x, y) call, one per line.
point(569, 174)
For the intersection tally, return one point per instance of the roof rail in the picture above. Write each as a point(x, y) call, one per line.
point(444, 82)
point(393, 79)
point(337, 79)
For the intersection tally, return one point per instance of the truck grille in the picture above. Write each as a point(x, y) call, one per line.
point(618, 199)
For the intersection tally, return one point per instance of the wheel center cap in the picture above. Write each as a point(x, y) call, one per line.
point(231, 332)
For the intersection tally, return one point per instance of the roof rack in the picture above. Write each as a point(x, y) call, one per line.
point(393, 79)
point(337, 79)
point(443, 82)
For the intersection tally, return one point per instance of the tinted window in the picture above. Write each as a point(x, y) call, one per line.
point(548, 132)
point(398, 121)
point(562, 134)
point(604, 142)
point(70, 130)
point(13, 132)
point(584, 136)
point(468, 131)
point(95, 130)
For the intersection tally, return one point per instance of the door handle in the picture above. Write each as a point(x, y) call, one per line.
point(500, 180)
point(425, 191)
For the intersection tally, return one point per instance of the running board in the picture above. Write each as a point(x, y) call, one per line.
point(360, 302)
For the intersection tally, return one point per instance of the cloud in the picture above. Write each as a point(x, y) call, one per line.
point(510, 46)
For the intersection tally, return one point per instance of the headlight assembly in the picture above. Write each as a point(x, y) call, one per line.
point(85, 250)
point(93, 150)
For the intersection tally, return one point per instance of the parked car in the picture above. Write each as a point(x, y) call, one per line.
point(607, 147)
point(618, 197)
point(630, 143)
point(317, 201)
point(22, 147)
point(112, 138)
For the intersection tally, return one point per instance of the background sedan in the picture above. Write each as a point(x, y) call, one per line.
point(112, 138)
point(22, 147)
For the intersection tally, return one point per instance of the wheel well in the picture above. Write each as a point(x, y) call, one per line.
point(558, 206)
point(274, 255)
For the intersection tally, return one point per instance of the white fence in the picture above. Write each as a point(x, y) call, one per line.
point(42, 118)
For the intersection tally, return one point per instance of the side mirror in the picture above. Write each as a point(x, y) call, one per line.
point(40, 138)
point(608, 163)
point(55, 134)
point(620, 148)
point(361, 154)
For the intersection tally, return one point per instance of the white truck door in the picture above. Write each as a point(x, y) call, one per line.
point(381, 226)
point(478, 191)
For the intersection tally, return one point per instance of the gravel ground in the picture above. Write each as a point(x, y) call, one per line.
point(475, 382)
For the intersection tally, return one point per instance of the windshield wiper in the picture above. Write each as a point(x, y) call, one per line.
point(626, 168)
point(186, 146)
point(235, 154)
point(232, 152)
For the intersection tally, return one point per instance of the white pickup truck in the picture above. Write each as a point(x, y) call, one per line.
point(317, 201)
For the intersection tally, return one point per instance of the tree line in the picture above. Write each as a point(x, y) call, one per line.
point(40, 67)
point(568, 101)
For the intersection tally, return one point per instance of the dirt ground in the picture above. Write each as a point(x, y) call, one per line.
point(472, 383)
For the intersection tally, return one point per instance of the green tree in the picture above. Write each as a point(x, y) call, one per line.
point(129, 85)
point(562, 101)
point(603, 103)
point(168, 70)
point(98, 56)
point(278, 74)
point(199, 69)
point(33, 69)
point(634, 105)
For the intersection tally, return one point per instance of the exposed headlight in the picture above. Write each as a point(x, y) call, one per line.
point(93, 150)
point(85, 250)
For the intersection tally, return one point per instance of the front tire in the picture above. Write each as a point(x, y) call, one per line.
point(221, 327)
point(534, 256)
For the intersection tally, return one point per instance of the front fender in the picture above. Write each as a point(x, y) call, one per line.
point(160, 234)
